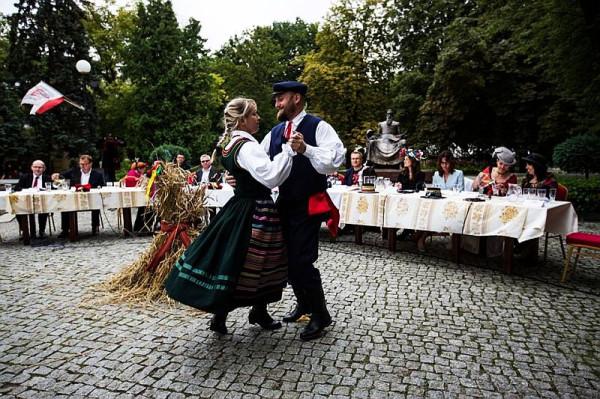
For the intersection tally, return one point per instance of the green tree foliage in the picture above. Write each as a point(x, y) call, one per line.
point(339, 88)
point(46, 39)
point(109, 33)
point(173, 97)
point(168, 153)
point(11, 147)
point(579, 154)
point(490, 88)
point(251, 63)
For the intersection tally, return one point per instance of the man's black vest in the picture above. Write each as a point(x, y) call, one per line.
point(304, 180)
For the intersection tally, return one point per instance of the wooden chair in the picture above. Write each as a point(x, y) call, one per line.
point(579, 241)
point(561, 195)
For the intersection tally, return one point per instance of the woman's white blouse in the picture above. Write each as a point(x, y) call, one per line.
point(253, 158)
point(456, 178)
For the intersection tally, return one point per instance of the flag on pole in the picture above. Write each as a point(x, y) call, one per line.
point(42, 97)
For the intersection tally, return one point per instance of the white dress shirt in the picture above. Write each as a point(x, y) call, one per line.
point(252, 158)
point(329, 153)
point(85, 177)
point(39, 184)
point(205, 177)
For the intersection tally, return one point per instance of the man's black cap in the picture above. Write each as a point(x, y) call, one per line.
point(290, 85)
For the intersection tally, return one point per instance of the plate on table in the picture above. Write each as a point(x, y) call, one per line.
point(424, 196)
point(405, 191)
point(474, 199)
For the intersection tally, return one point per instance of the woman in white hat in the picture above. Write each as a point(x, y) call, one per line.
point(495, 180)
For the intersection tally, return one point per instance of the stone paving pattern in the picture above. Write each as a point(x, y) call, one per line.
point(405, 325)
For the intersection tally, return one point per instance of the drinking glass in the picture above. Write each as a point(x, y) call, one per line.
point(387, 183)
point(552, 194)
point(532, 193)
point(48, 186)
point(8, 187)
point(109, 184)
point(541, 194)
point(66, 184)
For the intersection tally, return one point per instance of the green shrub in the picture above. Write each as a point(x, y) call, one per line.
point(579, 154)
point(168, 152)
point(583, 193)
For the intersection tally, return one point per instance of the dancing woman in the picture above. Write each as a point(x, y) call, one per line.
point(240, 259)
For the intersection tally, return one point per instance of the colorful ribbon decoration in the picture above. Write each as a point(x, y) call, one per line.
point(156, 171)
point(175, 231)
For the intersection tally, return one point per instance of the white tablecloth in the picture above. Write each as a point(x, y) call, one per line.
point(30, 202)
point(523, 220)
point(410, 211)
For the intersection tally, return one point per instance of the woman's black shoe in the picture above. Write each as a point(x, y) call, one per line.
point(259, 314)
point(217, 323)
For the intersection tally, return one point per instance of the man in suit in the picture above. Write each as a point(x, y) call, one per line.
point(353, 174)
point(82, 175)
point(207, 174)
point(37, 179)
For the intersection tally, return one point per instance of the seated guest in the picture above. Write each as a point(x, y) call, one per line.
point(353, 174)
point(36, 179)
point(537, 173)
point(207, 174)
point(411, 177)
point(135, 175)
point(499, 176)
point(446, 177)
point(84, 174)
point(181, 162)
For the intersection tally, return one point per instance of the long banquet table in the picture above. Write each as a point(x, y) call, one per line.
point(514, 219)
point(29, 202)
point(519, 220)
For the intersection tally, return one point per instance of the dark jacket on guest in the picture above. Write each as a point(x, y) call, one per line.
point(417, 184)
point(26, 181)
point(213, 175)
point(96, 178)
point(349, 179)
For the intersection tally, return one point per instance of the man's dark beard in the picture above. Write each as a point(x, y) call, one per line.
point(281, 116)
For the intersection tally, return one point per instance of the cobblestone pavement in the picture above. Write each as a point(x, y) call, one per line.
point(406, 325)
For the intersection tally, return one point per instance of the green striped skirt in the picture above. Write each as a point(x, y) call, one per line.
point(239, 260)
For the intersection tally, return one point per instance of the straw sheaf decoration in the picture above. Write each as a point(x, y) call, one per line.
point(182, 213)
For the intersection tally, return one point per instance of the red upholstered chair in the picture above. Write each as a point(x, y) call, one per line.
point(579, 241)
point(561, 195)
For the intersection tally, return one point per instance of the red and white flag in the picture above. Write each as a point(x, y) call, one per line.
point(42, 97)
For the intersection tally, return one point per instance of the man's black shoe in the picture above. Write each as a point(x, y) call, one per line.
point(316, 327)
point(294, 315)
point(62, 235)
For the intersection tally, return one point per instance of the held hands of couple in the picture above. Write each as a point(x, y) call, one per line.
point(297, 143)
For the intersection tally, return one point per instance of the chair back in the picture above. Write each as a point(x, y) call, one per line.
point(562, 192)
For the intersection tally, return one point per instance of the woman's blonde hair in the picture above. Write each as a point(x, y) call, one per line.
point(235, 112)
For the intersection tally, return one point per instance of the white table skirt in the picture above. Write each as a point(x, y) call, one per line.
point(30, 202)
point(523, 220)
